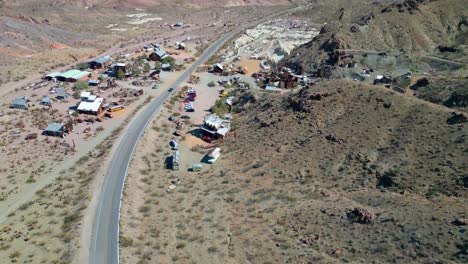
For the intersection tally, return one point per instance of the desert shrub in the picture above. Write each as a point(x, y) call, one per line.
point(81, 85)
point(120, 74)
point(220, 108)
point(126, 241)
point(82, 66)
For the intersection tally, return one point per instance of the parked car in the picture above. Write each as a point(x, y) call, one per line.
point(185, 117)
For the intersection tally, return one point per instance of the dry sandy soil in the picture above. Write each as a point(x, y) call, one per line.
point(338, 172)
point(39, 37)
point(51, 191)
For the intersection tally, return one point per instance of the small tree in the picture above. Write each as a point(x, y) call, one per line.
point(76, 95)
point(81, 85)
point(169, 60)
point(157, 66)
point(146, 67)
point(136, 72)
point(120, 74)
point(83, 66)
point(211, 84)
point(173, 65)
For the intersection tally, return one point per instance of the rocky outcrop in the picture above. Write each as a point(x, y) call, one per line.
point(461, 221)
point(456, 118)
point(361, 216)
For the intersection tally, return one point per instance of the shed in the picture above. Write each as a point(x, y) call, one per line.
point(94, 82)
point(84, 96)
point(91, 106)
point(158, 55)
point(218, 68)
point(46, 101)
point(20, 103)
point(100, 63)
point(60, 93)
point(55, 130)
point(119, 66)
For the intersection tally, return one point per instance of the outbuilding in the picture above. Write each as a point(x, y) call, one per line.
point(90, 105)
point(120, 66)
point(218, 68)
point(20, 103)
point(100, 63)
point(158, 55)
point(46, 101)
point(215, 126)
point(55, 130)
point(94, 82)
point(61, 94)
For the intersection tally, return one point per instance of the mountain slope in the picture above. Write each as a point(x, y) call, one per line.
point(345, 172)
point(413, 27)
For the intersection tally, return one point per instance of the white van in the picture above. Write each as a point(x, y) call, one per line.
point(214, 155)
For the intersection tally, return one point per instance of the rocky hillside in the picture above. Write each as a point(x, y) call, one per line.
point(411, 27)
point(448, 91)
point(143, 3)
point(358, 173)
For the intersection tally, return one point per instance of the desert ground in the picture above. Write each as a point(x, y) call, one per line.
point(333, 171)
point(293, 182)
point(47, 183)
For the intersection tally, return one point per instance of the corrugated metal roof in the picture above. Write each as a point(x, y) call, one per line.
point(80, 75)
point(103, 60)
point(90, 106)
point(161, 53)
point(20, 101)
point(54, 127)
point(69, 73)
point(46, 100)
point(53, 74)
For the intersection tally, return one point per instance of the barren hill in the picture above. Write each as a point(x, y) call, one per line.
point(411, 27)
point(357, 173)
point(144, 3)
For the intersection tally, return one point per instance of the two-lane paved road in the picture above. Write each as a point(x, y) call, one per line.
point(105, 236)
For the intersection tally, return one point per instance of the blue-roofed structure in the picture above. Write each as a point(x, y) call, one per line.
point(20, 103)
point(158, 55)
point(101, 62)
point(61, 94)
point(46, 101)
point(94, 82)
point(55, 130)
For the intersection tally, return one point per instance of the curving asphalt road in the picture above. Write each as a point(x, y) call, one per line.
point(105, 237)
